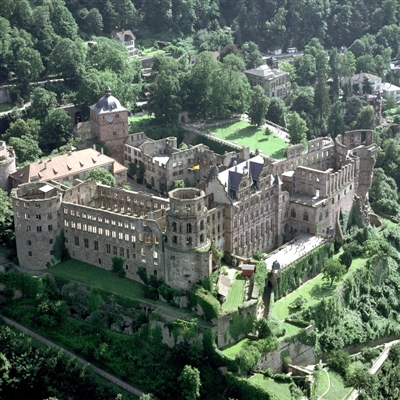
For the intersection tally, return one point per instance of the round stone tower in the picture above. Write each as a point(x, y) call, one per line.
point(187, 251)
point(7, 165)
point(36, 221)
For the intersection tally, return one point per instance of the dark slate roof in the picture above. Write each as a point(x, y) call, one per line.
point(235, 161)
point(234, 180)
point(147, 230)
point(255, 170)
point(213, 171)
point(277, 180)
point(107, 103)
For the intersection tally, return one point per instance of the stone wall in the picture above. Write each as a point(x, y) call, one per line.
point(300, 354)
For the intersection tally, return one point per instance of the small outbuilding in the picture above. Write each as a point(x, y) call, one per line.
point(248, 270)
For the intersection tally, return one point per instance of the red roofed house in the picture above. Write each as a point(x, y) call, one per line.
point(248, 269)
point(68, 167)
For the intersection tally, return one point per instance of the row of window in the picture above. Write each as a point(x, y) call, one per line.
point(188, 227)
point(39, 228)
point(114, 250)
point(29, 242)
point(38, 217)
point(30, 253)
point(143, 237)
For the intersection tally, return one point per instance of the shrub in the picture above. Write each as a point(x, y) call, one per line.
point(340, 361)
point(117, 265)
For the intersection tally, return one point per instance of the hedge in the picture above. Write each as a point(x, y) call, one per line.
point(302, 270)
point(240, 388)
point(209, 304)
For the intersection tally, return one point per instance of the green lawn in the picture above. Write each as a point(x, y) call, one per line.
point(323, 383)
point(231, 351)
point(138, 118)
point(236, 294)
point(314, 291)
point(337, 390)
point(97, 277)
point(245, 134)
point(280, 390)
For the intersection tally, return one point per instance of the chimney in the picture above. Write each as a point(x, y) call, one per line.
point(102, 151)
point(45, 165)
point(94, 147)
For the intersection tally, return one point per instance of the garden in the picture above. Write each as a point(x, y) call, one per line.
point(244, 134)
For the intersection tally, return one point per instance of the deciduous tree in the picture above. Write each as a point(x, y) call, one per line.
point(258, 106)
point(333, 270)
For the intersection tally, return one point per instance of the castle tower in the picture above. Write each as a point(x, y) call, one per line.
point(7, 165)
point(36, 207)
point(187, 251)
point(109, 123)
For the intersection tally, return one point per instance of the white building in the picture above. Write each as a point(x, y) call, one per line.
point(127, 38)
point(389, 90)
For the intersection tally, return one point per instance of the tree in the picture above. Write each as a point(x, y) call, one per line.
point(178, 184)
point(340, 361)
point(67, 59)
point(365, 119)
point(347, 64)
point(335, 124)
point(165, 97)
point(42, 102)
point(366, 87)
point(62, 20)
point(252, 55)
point(353, 106)
point(93, 22)
point(56, 130)
point(333, 270)
point(118, 266)
point(28, 67)
point(298, 302)
point(26, 148)
point(258, 106)
point(297, 128)
point(359, 377)
point(7, 234)
point(306, 69)
point(276, 112)
point(189, 383)
point(346, 259)
point(102, 175)
point(289, 67)
point(6, 53)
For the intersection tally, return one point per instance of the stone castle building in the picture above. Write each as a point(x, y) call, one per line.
point(164, 163)
point(253, 204)
point(7, 165)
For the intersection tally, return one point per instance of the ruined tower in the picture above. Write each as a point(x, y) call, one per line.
point(187, 251)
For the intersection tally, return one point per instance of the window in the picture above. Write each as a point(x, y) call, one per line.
point(27, 216)
point(28, 228)
point(29, 253)
point(51, 241)
point(108, 248)
point(143, 251)
point(127, 253)
point(188, 228)
point(156, 240)
point(173, 226)
point(38, 217)
point(50, 216)
point(96, 245)
point(76, 240)
point(293, 214)
point(121, 252)
point(115, 250)
point(305, 217)
point(174, 239)
point(39, 228)
point(86, 243)
point(50, 227)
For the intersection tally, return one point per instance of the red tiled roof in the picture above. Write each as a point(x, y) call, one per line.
point(59, 167)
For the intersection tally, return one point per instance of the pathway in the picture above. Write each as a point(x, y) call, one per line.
point(353, 394)
point(329, 385)
point(104, 374)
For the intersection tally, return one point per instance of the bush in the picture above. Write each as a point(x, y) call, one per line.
point(346, 259)
point(208, 303)
point(340, 361)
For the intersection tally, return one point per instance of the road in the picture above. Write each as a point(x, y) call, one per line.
point(104, 374)
point(375, 367)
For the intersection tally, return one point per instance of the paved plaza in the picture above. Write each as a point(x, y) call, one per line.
point(293, 250)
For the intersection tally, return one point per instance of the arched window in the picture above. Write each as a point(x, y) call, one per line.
point(201, 238)
point(174, 227)
point(189, 241)
point(188, 228)
point(320, 217)
point(201, 224)
point(305, 217)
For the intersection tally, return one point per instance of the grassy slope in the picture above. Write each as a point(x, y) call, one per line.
point(337, 390)
point(236, 294)
point(97, 277)
point(314, 291)
point(280, 390)
point(323, 383)
point(245, 134)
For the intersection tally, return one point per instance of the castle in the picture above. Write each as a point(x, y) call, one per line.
point(245, 205)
